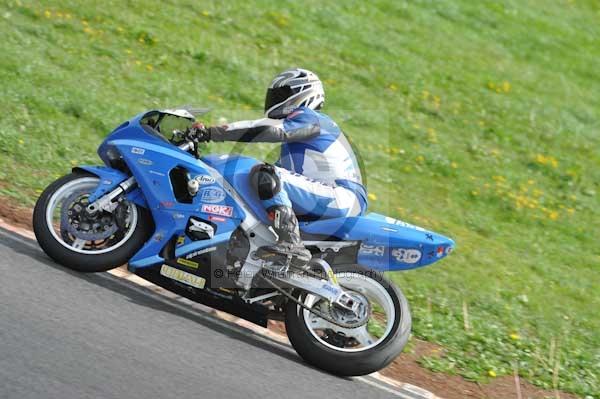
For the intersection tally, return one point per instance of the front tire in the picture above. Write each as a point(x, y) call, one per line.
point(99, 254)
point(374, 355)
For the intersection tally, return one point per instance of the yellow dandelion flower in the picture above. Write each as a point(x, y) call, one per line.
point(541, 159)
point(120, 29)
point(491, 85)
point(475, 193)
point(149, 67)
point(530, 182)
point(420, 159)
point(68, 16)
point(205, 13)
point(506, 86)
point(515, 336)
point(21, 141)
point(138, 62)
point(492, 373)
point(553, 215)
point(48, 14)
point(84, 22)
point(570, 211)
point(282, 21)
point(59, 14)
point(128, 51)
point(425, 94)
point(453, 165)
point(372, 197)
point(393, 87)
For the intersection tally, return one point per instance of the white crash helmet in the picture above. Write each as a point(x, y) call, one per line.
point(291, 89)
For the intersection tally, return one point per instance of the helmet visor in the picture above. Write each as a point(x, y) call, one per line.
point(277, 95)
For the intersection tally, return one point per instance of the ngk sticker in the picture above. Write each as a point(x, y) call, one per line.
point(221, 210)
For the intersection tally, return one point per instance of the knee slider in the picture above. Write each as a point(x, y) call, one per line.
point(265, 181)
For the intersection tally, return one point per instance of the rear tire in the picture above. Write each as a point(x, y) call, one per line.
point(351, 363)
point(79, 261)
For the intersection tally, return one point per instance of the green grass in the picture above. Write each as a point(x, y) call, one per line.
point(475, 119)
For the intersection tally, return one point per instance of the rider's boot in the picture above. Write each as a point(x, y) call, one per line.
point(289, 245)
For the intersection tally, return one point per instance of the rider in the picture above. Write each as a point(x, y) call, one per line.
point(317, 175)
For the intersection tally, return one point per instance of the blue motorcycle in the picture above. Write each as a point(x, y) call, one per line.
point(192, 224)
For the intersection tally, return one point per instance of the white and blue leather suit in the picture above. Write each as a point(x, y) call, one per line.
point(318, 171)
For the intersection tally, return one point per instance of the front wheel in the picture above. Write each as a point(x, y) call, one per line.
point(85, 242)
point(381, 331)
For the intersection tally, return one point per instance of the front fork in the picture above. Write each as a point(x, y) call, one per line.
point(107, 201)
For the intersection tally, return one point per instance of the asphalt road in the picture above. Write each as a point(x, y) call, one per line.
point(69, 335)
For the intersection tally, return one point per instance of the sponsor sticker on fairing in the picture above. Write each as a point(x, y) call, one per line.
point(221, 210)
point(182, 277)
point(212, 195)
point(204, 180)
point(403, 224)
point(200, 252)
point(406, 255)
point(377, 250)
point(138, 151)
point(440, 252)
point(188, 263)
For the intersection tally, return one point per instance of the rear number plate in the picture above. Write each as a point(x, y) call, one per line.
point(182, 277)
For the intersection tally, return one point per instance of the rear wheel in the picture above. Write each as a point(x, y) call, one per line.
point(81, 241)
point(382, 329)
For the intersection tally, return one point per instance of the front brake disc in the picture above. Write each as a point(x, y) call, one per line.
point(73, 210)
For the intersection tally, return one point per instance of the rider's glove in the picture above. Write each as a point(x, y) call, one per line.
point(198, 133)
